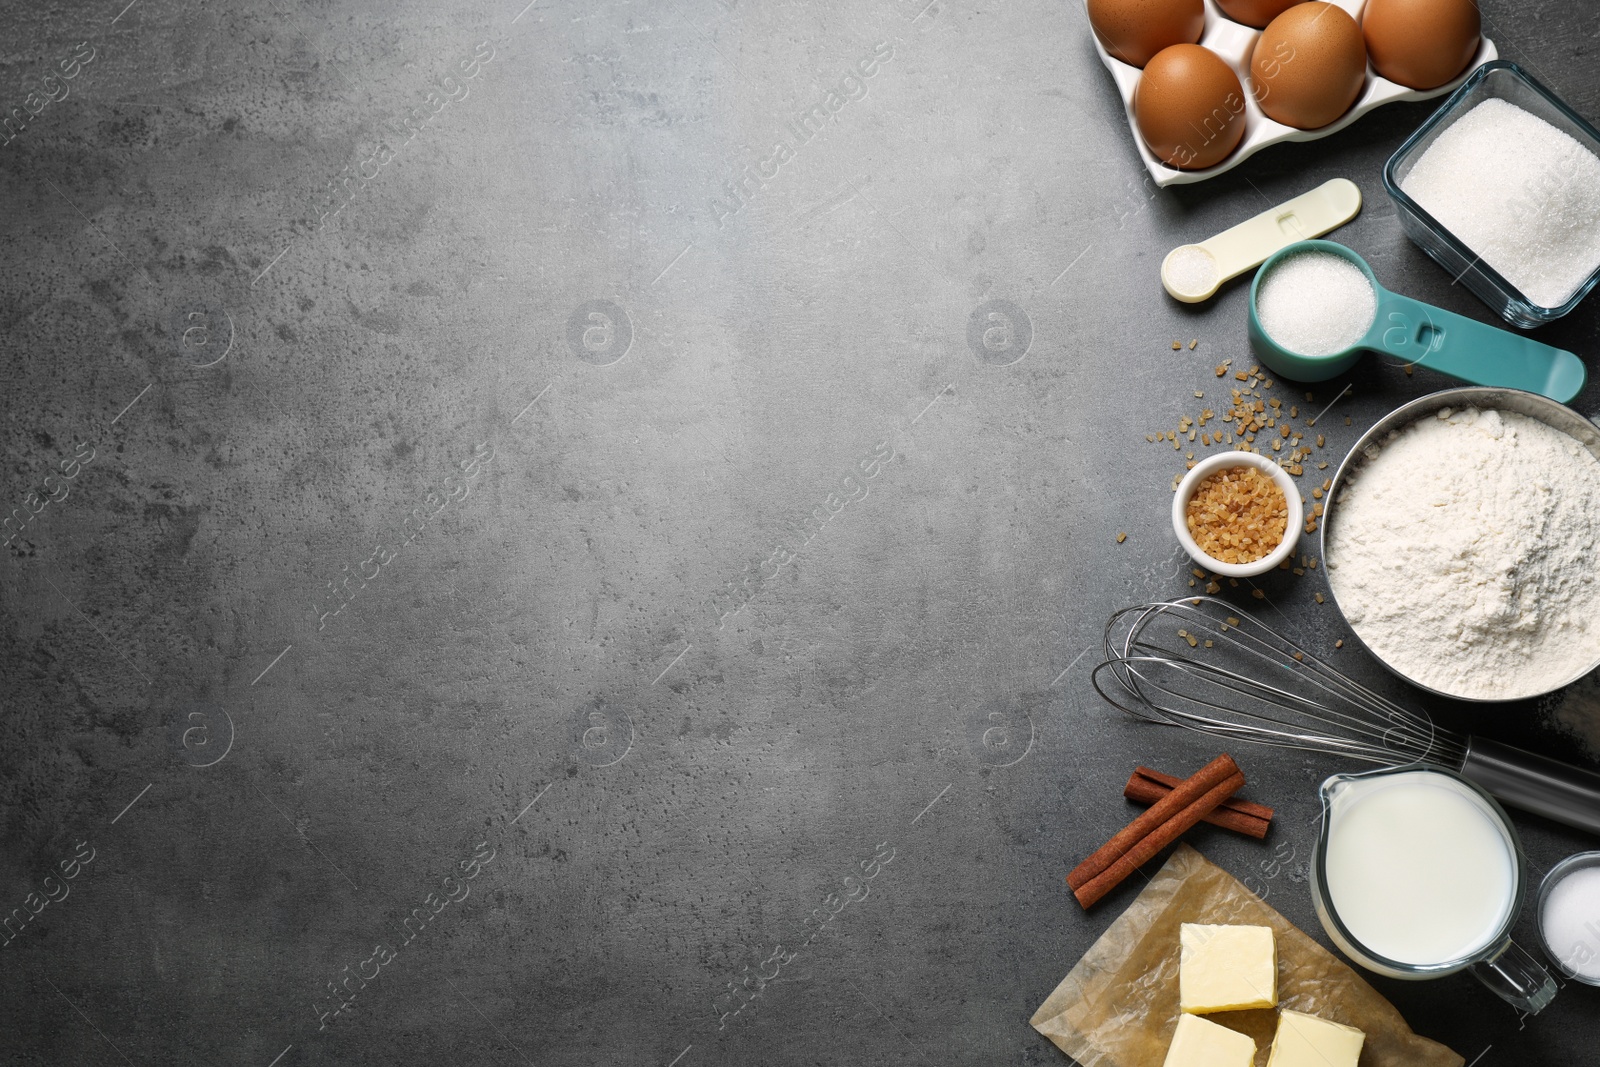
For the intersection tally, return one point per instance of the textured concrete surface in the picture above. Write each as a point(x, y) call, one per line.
point(608, 517)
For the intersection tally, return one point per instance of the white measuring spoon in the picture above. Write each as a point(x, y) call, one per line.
point(1192, 273)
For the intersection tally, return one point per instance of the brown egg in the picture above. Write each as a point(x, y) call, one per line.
point(1309, 65)
point(1255, 13)
point(1421, 43)
point(1135, 30)
point(1189, 106)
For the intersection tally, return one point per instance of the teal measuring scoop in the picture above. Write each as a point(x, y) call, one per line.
point(1424, 335)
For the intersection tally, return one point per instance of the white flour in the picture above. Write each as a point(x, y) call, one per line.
point(1463, 554)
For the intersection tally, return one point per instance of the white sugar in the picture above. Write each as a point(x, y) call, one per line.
point(1315, 303)
point(1520, 193)
point(1190, 269)
point(1570, 921)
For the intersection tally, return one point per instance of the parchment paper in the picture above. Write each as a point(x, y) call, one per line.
point(1119, 1006)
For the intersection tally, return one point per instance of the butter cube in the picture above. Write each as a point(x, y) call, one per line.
point(1227, 968)
point(1202, 1043)
point(1307, 1041)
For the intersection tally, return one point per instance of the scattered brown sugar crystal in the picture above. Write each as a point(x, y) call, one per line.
point(1121, 537)
point(1177, 345)
point(1237, 515)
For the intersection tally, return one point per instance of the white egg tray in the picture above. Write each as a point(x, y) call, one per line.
point(1235, 42)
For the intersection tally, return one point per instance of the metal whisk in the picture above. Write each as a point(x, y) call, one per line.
point(1202, 664)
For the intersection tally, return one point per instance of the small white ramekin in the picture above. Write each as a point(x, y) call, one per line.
point(1212, 464)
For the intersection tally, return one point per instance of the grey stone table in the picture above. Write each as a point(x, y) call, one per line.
point(516, 533)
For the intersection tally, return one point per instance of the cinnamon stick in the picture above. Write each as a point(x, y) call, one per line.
point(1169, 831)
point(1145, 791)
point(1245, 807)
point(1146, 786)
point(1181, 797)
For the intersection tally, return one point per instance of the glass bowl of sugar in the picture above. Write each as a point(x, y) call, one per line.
point(1501, 186)
point(1569, 916)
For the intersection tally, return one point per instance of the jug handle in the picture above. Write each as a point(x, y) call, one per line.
point(1517, 977)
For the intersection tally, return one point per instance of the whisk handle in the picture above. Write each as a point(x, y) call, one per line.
point(1535, 783)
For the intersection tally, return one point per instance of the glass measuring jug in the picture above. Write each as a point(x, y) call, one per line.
point(1418, 874)
point(1424, 335)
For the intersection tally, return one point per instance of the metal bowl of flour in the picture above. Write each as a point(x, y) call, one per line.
point(1547, 411)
